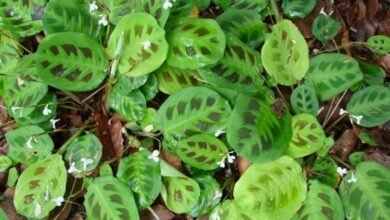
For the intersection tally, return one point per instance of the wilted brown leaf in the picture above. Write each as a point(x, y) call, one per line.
point(161, 211)
point(345, 145)
point(379, 155)
point(243, 164)
point(8, 206)
point(172, 160)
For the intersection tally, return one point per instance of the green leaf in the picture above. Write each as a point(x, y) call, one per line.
point(380, 44)
point(256, 132)
point(83, 155)
point(308, 136)
point(304, 100)
point(180, 194)
point(333, 73)
point(195, 43)
point(150, 88)
point(117, 8)
point(229, 210)
point(149, 123)
point(366, 138)
point(372, 74)
point(193, 110)
point(372, 104)
point(109, 198)
point(28, 144)
point(3, 215)
point(325, 27)
point(367, 198)
point(105, 170)
point(154, 8)
point(131, 106)
point(325, 169)
point(22, 18)
point(322, 203)
point(298, 8)
point(203, 4)
point(356, 157)
point(273, 190)
point(180, 9)
point(247, 25)
point(285, 54)
point(69, 16)
point(13, 176)
point(71, 61)
point(5, 163)
point(210, 196)
point(239, 69)
point(143, 175)
point(172, 79)
point(9, 54)
point(40, 186)
point(202, 151)
point(144, 47)
point(254, 5)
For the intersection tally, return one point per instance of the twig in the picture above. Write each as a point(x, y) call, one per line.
point(78, 132)
point(334, 109)
point(153, 213)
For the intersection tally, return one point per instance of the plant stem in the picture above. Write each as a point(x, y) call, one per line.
point(275, 10)
point(69, 141)
point(334, 109)
point(153, 213)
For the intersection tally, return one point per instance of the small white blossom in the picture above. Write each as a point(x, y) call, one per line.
point(167, 4)
point(20, 81)
point(30, 139)
point(11, 13)
point(86, 162)
point(46, 110)
point(154, 155)
point(148, 128)
point(73, 169)
point(103, 20)
point(342, 111)
point(230, 158)
point(93, 6)
point(59, 200)
point(353, 179)
point(46, 198)
point(322, 12)
point(219, 132)
point(217, 195)
point(320, 110)
point(14, 108)
point(146, 44)
point(358, 118)
point(221, 163)
point(342, 171)
point(53, 122)
point(37, 210)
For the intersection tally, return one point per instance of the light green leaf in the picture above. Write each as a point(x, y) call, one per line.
point(111, 199)
point(285, 54)
point(273, 190)
point(172, 79)
point(143, 175)
point(365, 192)
point(370, 106)
point(71, 61)
point(254, 5)
point(40, 187)
point(210, 196)
point(5, 163)
point(304, 100)
point(29, 144)
point(332, 73)
point(144, 47)
point(325, 28)
point(298, 8)
point(129, 104)
point(229, 210)
point(195, 43)
point(380, 44)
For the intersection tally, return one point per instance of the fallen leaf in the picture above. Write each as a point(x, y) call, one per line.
point(379, 155)
point(243, 164)
point(385, 63)
point(161, 211)
point(345, 144)
point(8, 206)
point(172, 160)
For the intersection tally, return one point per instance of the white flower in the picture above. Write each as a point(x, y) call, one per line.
point(59, 200)
point(358, 118)
point(11, 13)
point(28, 143)
point(342, 171)
point(46, 198)
point(167, 4)
point(14, 108)
point(72, 168)
point(53, 122)
point(230, 158)
point(322, 12)
point(93, 6)
point(86, 162)
point(20, 81)
point(154, 155)
point(221, 163)
point(217, 195)
point(353, 179)
point(46, 110)
point(146, 44)
point(342, 111)
point(219, 132)
point(148, 128)
point(320, 110)
point(103, 20)
point(37, 210)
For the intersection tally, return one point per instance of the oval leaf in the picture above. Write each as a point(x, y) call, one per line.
point(195, 43)
point(144, 45)
point(143, 175)
point(71, 62)
point(333, 73)
point(202, 151)
point(285, 54)
point(172, 79)
point(325, 28)
point(273, 190)
point(380, 44)
point(254, 5)
point(40, 187)
point(304, 100)
point(370, 106)
point(256, 132)
point(298, 8)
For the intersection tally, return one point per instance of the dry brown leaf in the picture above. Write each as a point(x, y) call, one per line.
point(161, 211)
point(172, 160)
point(8, 206)
point(345, 145)
point(243, 164)
point(379, 155)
